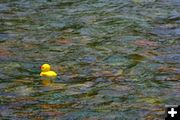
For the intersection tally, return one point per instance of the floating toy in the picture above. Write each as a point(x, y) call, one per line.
point(46, 71)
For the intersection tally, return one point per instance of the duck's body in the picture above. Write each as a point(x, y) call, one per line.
point(46, 72)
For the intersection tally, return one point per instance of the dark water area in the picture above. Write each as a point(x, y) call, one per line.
point(115, 59)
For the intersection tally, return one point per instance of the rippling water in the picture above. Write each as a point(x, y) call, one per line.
point(116, 59)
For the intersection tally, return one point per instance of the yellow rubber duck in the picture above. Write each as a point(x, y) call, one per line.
point(46, 71)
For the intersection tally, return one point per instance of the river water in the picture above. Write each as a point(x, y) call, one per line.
point(115, 59)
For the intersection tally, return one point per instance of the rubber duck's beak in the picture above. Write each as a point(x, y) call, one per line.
point(40, 67)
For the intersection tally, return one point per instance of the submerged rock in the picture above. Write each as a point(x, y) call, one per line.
point(5, 36)
point(118, 60)
point(171, 2)
point(167, 32)
point(143, 1)
point(174, 49)
point(5, 111)
point(169, 58)
point(116, 91)
point(169, 70)
point(145, 43)
point(88, 59)
point(174, 17)
point(23, 91)
point(4, 52)
point(167, 77)
point(78, 89)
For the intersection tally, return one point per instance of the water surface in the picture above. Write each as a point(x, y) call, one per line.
point(116, 59)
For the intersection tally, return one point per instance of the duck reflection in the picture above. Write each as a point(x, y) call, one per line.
point(47, 82)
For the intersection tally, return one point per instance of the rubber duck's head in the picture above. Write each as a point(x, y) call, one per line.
point(45, 67)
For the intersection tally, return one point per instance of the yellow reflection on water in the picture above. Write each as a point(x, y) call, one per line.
point(47, 82)
point(50, 83)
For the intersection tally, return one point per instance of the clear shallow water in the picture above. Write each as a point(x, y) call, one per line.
point(115, 59)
